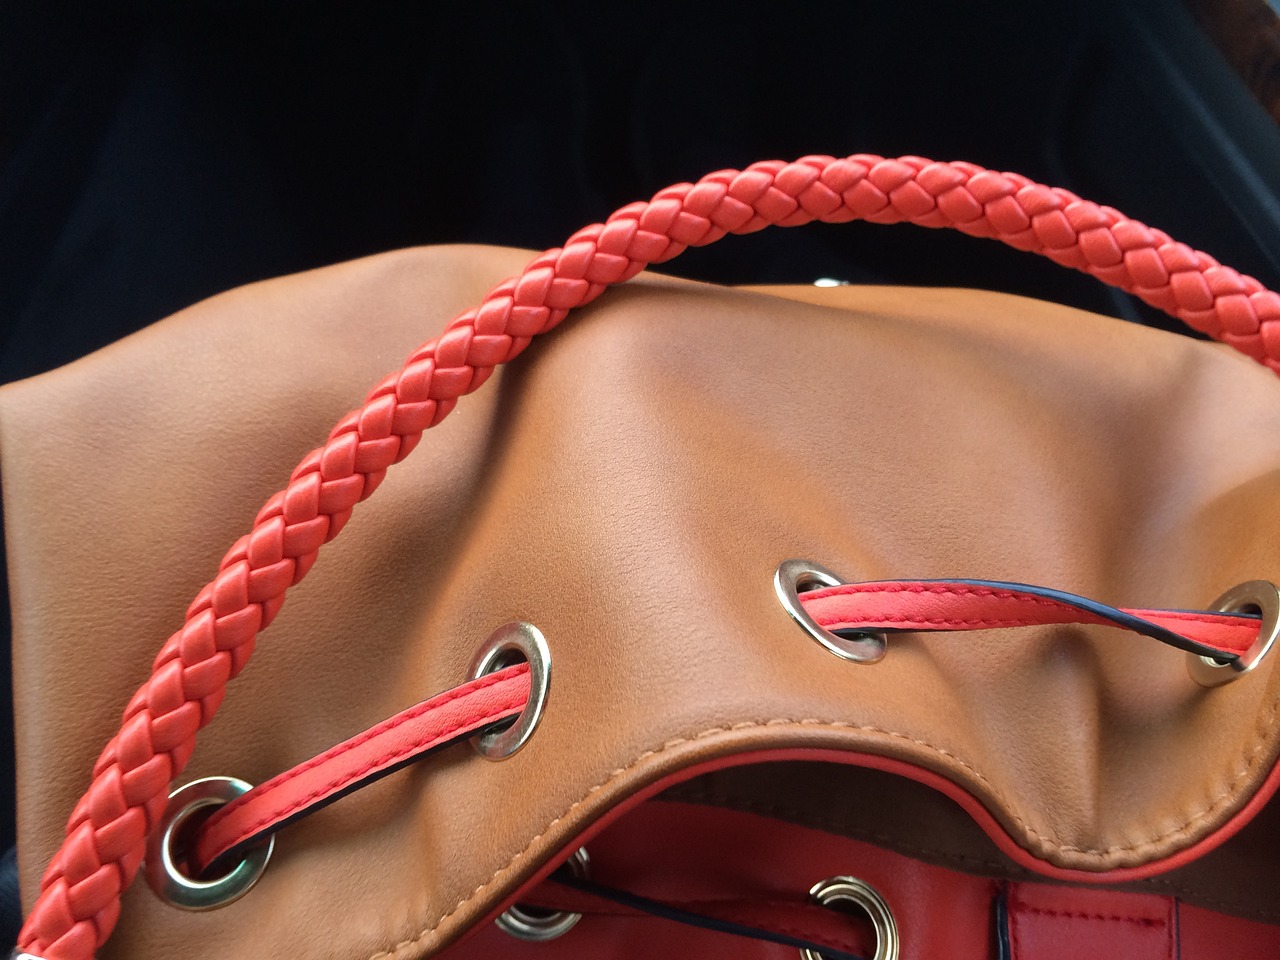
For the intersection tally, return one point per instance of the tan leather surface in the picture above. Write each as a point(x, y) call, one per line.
point(629, 487)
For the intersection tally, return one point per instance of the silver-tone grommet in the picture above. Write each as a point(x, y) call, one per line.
point(15, 955)
point(164, 875)
point(853, 890)
point(791, 579)
point(509, 644)
point(1261, 596)
point(522, 924)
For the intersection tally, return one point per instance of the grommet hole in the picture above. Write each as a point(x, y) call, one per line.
point(1258, 598)
point(860, 900)
point(166, 865)
point(182, 836)
point(538, 925)
point(794, 577)
point(511, 644)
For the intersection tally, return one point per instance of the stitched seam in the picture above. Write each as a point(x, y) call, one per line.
point(412, 713)
point(843, 828)
point(1196, 899)
point(940, 621)
point(756, 724)
point(830, 620)
point(944, 590)
point(1077, 915)
point(1220, 619)
point(1206, 618)
point(373, 764)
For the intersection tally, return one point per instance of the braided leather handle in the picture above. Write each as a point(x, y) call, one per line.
point(79, 901)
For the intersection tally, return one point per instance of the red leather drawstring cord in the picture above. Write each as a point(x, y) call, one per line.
point(79, 899)
point(896, 605)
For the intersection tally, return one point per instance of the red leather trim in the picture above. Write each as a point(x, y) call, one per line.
point(693, 854)
point(913, 605)
point(409, 735)
point(464, 710)
point(966, 800)
point(1064, 923)
point(278, 801)
point(479, 703)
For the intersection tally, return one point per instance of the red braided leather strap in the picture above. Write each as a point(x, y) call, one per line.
point(80, 891)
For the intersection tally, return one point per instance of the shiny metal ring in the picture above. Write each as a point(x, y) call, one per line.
point(791, 579)
point(1256, 595)
point(853, 890)
point(520, 923)
point(509, 644)
point(163, 850)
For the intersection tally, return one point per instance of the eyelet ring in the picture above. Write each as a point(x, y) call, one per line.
point(853, 890)
point(1260, 595)
point(526, 640)
point(791, 579)
point(164, 875)
point(538, 928)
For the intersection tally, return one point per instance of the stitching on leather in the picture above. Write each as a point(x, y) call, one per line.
point(1077, 915)
point(854, 832)
point(620, 772)
point(1226, 906)
point(958, 591)
point(831, 620)
point(954, 590)
point(937, 621)
point(351, 776)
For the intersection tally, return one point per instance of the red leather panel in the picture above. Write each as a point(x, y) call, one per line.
point(686, 852)
point(1065, 923)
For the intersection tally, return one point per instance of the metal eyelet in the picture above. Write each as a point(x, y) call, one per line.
point(15, 955)
point(520, 923)
point(794, 577)
point(167, 879)
point(853, 890)
point(1258, 595)
point(507, 645)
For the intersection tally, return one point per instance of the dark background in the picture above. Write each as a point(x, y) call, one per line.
point(150, 156)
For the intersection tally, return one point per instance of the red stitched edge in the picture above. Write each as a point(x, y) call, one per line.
point(374, 764)
point(1104, 917)
point(412, 713)
point(349, 776)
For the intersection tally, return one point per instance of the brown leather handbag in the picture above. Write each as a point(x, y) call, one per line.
point(852, 622)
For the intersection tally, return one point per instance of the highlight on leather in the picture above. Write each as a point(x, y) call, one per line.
point(79, 900)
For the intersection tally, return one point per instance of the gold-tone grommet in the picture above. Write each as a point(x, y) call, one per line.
point(1256, 595)
point(523, 924)
point(853, 890)
point(794, 577)
point(509, 644)
point(162, 871)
